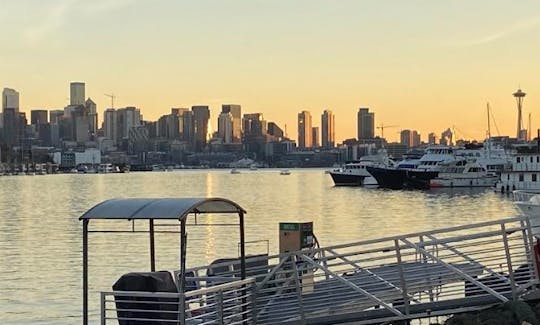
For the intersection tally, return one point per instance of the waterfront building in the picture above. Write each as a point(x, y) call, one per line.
point(226, 127)
point(236, 112)
point(305, 135)
point(201, 116)
point(315, 137)
point(76, 93)
point(10, 99)
point(328, 129)
point(366, 124)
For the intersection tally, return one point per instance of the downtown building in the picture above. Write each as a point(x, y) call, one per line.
point(305, 131)
point(328, 129)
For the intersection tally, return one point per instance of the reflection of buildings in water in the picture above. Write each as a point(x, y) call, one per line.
point(209, 184)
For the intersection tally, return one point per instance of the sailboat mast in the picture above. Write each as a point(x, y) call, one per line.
point(488, 123)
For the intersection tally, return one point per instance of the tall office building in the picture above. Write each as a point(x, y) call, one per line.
point(254, 124)
point(366, 124)
point(38, 117)
point(275, 130)
point(315, 137)
point(305, 135)
point(10, 99)
point(201, 116)
point(55, 116)
point(328, 129)
point(188, 133)
point(410, 138)
point(91, 108)
point(432, 138)
point(225, 127)
point(236, 112)
point(76, 93)
point(109, 124)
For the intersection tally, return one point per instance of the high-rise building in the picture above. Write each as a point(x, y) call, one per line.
point(305, 135)
point(315, 137)
point(38, 117)
point(188, 133)
point(432, 138)
point(236, 112)
point(366, 124)
point(76, 93)
point(225, 127)
point(126, 119)
point(55, 116)
point(254, 124)
point(10, 99)
point(328, 129)
point(274, 130)
point(91, 108)
point(201, 116)
point(410, 138)
point(109, 124)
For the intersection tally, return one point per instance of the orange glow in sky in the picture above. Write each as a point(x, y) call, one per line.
point(423, 65)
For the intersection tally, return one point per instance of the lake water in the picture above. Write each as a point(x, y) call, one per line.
point(41, 237)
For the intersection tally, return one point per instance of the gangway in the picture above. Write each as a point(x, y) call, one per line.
point(412, 276)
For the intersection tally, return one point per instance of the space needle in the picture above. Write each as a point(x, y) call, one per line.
point(519, 95)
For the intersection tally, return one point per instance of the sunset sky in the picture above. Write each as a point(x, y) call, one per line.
point(418, 64)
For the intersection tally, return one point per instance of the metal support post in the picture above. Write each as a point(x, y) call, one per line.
point(402, 278)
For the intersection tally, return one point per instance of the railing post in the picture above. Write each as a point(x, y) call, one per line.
point(509, 261)
point(402, 277)
point(220, 307)
point(298, 289)
point(254, 302)
point(182, 309)
point(103, 309)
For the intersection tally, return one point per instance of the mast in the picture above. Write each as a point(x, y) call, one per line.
point(488, 133)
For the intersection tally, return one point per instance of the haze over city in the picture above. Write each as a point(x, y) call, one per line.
point(417, 64)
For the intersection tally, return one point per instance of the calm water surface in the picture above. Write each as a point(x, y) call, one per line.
point(40, 234)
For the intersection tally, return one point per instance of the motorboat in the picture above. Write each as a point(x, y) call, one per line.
point(285, 172)
point(355, 173)
point(464, 173)
point(523, 174)
point(235, 171)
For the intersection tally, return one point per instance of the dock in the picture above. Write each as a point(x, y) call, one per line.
point(413, 276)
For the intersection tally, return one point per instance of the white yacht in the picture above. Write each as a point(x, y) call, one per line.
point(464, 173)
point(435, 157)
point(354, 173)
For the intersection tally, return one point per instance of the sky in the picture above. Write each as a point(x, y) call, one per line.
point(418, 64)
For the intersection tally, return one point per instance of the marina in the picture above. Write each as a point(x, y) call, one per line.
point(339, 215)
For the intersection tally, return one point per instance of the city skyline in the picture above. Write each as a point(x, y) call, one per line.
point(449, 65)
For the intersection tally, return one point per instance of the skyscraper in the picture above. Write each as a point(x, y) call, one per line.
point(236, 112)
point(201, 115)
point(366, 124)
point(10, 99)
point(38, 117)
point(315, 136)
point(225, 127)
point(305, 135)
point(328, 129)
point(76, 93)
point(109, 124)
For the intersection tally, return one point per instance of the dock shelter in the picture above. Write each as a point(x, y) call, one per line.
point(160, 209)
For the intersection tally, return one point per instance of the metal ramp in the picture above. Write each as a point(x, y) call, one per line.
point(412, 276)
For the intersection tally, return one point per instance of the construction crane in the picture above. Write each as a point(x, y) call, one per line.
point(112, 96)
point(382, 127)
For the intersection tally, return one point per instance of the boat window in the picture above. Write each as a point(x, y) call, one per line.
point(537, 159)
point(517, 159)
point(521, 177)
point(534, 177)
point(508, 176)
point(531, 159)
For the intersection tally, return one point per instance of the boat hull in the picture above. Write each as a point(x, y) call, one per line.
point(342, 179)
point(397, 179)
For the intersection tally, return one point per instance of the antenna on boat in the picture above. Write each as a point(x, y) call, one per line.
point(489, 124)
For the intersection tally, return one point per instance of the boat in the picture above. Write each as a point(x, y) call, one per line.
point(253, 167)
point(285, 172)
point(413, 174)
point(354, 173)
point(522, 174)
point(235, 171)
point(528, 202)
point(464, 173)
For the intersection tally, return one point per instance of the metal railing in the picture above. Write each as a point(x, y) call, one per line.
point(373, 281)
point(526, 196)
point(229, 303)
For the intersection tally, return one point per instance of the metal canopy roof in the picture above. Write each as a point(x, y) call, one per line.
point(159, 208)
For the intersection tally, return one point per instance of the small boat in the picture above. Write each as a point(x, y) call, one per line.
point(253, 167)
point(285, 172)
point(235, 171)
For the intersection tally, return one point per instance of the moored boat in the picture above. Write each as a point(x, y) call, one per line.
point(463, 173)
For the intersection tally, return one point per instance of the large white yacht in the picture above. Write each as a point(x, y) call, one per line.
point(354, 173)
point(464, 173)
